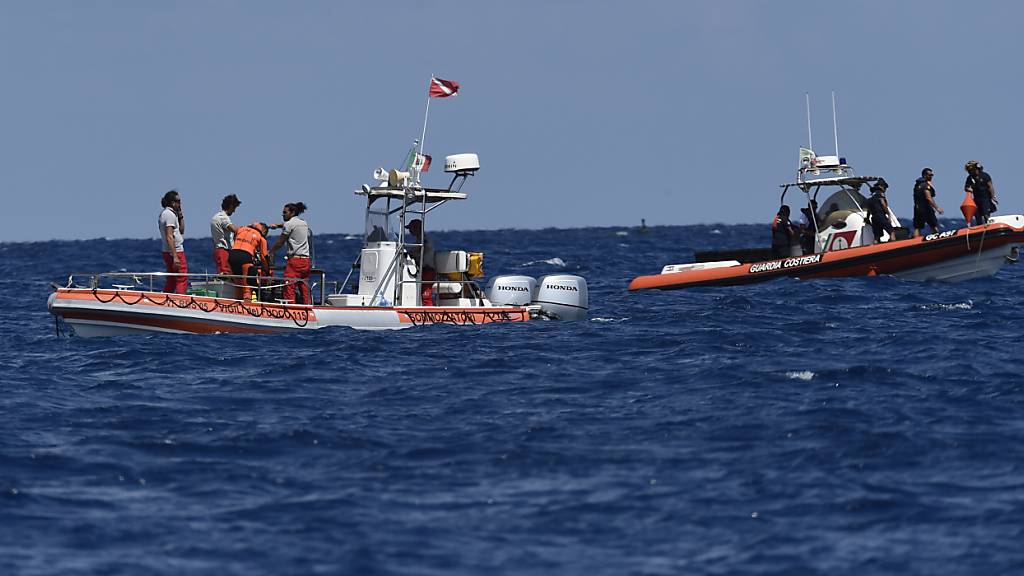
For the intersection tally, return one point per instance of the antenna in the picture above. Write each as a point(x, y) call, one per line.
point(835, 129)
point(810, 145)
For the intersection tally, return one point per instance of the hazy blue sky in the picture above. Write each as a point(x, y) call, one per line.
point(583, 113)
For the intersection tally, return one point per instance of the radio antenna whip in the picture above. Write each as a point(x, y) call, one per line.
point(835, 129)
point(810, 144)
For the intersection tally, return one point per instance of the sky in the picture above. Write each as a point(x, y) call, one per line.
point(582, 113)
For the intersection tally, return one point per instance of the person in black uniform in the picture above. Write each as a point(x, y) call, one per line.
point(783, 233)
point(980, 185)
point(809, 227)
point(924, 203)
point(878, 211)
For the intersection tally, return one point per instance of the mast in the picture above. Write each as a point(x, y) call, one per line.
point(423, 136)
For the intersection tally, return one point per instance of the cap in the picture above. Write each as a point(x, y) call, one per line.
point(970, 164)
point(414, 224)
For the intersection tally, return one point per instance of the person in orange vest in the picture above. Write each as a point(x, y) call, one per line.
point(249, 254)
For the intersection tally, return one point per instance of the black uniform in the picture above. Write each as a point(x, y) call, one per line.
point(923, 211)
point(878, 215)
point(981, 185)
point(782, 236)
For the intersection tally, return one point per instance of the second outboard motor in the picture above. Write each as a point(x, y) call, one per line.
point(562, 296)
point(511, 290)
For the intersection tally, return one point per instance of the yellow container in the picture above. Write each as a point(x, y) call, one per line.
point(476, 264)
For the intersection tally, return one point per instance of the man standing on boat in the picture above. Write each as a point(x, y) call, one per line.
point(415, 227)
point(249, 255)
point(223, 232)
point(296, 234)
point(979, 184)
point(924, 203)
point(878, 211)
point(172, 226)
point(783, 234)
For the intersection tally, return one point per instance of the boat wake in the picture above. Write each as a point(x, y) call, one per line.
point(556, 261)
point(969, 305)
point(800, 375)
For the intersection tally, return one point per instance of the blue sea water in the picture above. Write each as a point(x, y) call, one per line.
point(848, 426)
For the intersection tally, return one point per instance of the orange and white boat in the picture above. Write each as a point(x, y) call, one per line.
point(388, 295)
point(843, 242)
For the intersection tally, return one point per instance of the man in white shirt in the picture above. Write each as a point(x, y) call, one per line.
point(223, 232)
point(296, 234)
point(172, 225)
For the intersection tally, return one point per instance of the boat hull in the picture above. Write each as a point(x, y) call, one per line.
point(106, 312)
point(951, 256)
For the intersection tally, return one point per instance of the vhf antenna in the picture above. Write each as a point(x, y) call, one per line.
point(835, 129)
point(810, 144)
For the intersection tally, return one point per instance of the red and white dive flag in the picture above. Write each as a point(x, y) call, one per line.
point(443, 88)
point(422, 162)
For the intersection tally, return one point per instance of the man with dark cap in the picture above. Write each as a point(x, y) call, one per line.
point(979, 184)
point(428, 275)
point(924, 203)
point(878, 211)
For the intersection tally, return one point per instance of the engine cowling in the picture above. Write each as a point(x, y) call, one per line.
point(563, 296)
point(511, 290)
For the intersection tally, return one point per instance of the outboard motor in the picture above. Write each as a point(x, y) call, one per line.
point(511, 290)
point(562, 296)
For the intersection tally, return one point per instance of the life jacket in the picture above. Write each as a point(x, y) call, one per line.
point(249, 240)
point(979, 184)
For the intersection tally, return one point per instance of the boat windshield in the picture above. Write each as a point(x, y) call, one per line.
point(378, 224)
point(844, 199)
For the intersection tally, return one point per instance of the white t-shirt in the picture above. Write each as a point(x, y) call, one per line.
point(298, 237)
point(220, 231)
point(169, 218)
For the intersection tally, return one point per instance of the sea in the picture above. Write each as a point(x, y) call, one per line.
point(841, 426)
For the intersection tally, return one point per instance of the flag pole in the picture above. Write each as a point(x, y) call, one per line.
point(423, 136)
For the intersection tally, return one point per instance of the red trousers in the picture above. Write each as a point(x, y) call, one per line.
point(298, 267)
point(176, 284)
point(427, 288)
point(220, 260)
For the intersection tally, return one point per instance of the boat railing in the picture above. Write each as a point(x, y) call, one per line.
point(151, 282)
point(473, 285)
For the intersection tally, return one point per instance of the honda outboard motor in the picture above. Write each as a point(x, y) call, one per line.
point(562, 296)
point(511, 290)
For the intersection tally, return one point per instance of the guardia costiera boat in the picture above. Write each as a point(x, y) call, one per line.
point(843, 243)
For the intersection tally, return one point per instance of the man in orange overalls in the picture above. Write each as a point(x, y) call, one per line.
point(249, 254)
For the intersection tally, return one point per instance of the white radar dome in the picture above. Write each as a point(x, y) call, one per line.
point(461, 163)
